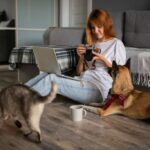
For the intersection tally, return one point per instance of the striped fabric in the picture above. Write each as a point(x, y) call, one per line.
point(66, 57)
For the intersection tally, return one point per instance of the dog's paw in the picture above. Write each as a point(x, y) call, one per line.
point(100, 111)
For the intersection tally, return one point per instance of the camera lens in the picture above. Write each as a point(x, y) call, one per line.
point(89, 54)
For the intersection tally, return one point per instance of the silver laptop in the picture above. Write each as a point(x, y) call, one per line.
point(46, 59)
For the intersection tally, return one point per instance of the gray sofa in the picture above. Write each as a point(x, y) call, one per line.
point(132, 27)
point(64, 36)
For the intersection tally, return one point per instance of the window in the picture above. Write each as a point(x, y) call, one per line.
point(73, 13)
point(32, 17)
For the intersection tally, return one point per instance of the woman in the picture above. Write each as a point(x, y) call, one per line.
point(93, 83)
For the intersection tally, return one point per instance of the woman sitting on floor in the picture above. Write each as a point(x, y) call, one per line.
point(93, 83)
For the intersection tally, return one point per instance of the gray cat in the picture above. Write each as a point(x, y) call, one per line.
point(19, 100)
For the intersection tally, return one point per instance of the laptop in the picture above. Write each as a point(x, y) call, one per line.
point(46, 60)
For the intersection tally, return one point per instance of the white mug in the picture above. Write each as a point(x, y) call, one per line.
point(77, 112)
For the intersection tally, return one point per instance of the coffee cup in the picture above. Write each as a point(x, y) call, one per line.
point(77, 112)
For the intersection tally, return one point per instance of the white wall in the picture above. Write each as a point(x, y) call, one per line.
point(73, 13)
point(64, 13)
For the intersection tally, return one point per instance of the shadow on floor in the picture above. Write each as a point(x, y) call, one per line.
point(7, 77)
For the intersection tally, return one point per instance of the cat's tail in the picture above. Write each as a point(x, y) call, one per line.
point(52, 94)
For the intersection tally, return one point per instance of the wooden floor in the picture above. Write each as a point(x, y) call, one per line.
point(60, 133)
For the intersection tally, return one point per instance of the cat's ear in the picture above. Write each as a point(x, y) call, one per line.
point(128, 63)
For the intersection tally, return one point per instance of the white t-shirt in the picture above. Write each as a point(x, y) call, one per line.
point(112, 50)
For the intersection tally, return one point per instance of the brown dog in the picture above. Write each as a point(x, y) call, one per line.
point(125, 100)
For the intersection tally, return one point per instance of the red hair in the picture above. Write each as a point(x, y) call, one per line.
point(99, 17)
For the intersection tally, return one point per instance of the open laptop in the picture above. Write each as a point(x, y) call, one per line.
point(46, 60)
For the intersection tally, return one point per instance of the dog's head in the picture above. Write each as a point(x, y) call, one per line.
point(122, 81)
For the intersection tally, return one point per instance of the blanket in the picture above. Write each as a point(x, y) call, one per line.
point(140, 65)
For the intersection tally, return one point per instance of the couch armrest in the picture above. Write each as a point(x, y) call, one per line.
point(63, 36)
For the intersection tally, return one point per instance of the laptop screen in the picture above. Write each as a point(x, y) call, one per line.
point(46, 59)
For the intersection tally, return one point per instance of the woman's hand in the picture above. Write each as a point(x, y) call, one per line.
point(99, 57)
point(81, 50)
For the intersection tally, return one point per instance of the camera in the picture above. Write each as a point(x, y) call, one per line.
point(89, 55)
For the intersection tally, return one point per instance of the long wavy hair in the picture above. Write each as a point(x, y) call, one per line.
point(99, 17)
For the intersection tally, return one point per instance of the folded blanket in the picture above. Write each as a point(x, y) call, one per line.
point(140, 65)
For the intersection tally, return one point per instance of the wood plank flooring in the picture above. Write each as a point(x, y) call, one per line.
point(60, 133)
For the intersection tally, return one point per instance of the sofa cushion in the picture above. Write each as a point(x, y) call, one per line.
point(118, 20)
point(137, 29)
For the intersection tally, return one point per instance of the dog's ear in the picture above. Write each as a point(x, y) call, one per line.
point(109, 70)
point(114, 65)
point(115, 69)
point(128, 63)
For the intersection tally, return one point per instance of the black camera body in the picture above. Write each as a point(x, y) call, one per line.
point(89, 55)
